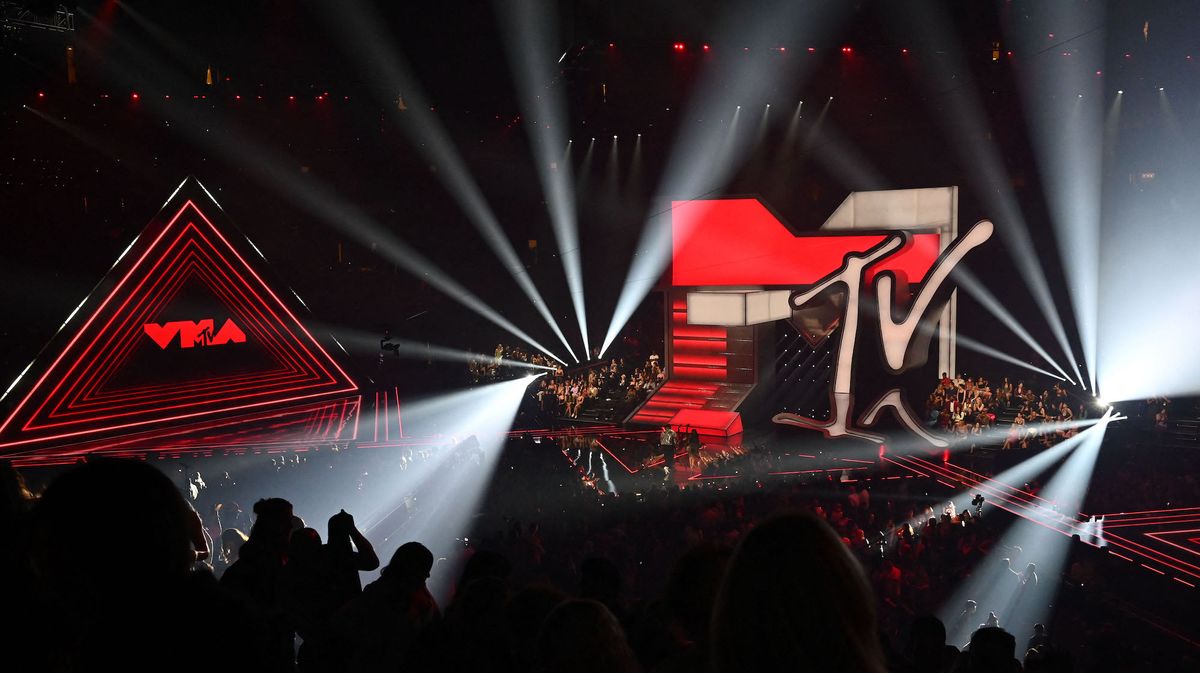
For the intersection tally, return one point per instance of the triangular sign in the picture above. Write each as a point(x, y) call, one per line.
point(183, 327)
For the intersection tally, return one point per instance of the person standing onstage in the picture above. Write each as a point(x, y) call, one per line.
point(693, 449)
point(667, 441)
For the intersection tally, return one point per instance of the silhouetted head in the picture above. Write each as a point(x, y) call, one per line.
point(599, 579)
point(926, 642)
point(272, 524)
point(992, 650)
point(693, 586)
point(74, 547)
point(411, 563)
point(485, 563)
point(341, 525)
point(582, 636)
point(232, 540)
point(304, 548)
point(795, 599)
point(524, 614)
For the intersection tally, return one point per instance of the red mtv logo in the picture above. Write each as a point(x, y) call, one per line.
point(194, 333)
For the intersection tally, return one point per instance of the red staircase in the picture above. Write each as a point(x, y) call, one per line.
point(708, 368)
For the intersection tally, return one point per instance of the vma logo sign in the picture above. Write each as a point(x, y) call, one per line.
point(193, 334)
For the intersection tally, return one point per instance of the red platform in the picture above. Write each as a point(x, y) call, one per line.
point(709, 423)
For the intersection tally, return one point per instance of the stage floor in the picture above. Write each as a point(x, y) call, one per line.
point(618, 462)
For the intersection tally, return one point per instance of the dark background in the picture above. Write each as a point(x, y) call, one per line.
point(79, 182)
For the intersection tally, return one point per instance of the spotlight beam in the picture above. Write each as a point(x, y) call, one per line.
point(1040, 536)
point(528, 29)
point(985, 349)
point(993, 436)
point(449, 491)
point(967, 281)
point(363, 36)
point(697, 166)
point(274, 170)
point(1064, 106)
point(966, 122)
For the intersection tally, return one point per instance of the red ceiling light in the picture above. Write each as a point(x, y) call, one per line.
point(904, 50)
point(847, 50)
point(41, 94)
point(678, 46)
point(135, 95)
point(706, 49)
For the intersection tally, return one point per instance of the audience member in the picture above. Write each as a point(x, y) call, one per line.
point(794, 598)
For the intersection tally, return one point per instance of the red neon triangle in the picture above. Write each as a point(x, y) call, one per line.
point(136, 358)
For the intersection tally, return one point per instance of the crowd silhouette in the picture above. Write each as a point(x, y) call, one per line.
point(107, 568)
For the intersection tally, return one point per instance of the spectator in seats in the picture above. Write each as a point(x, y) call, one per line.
point(1040, 637)
point(582, 636)
point(258, 572)
point(471, 637)
point(347, 553)
point(992, 650)
point(381, 626)
point(926, 649)
point(232, 540)
point(690, 595)
point(525, 613)
point(308, 598)
point(144, 608)
point(600, 580)
point(794, 598)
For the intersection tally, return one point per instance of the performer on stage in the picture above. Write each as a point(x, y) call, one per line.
point(666, 441)
point(693, 449)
